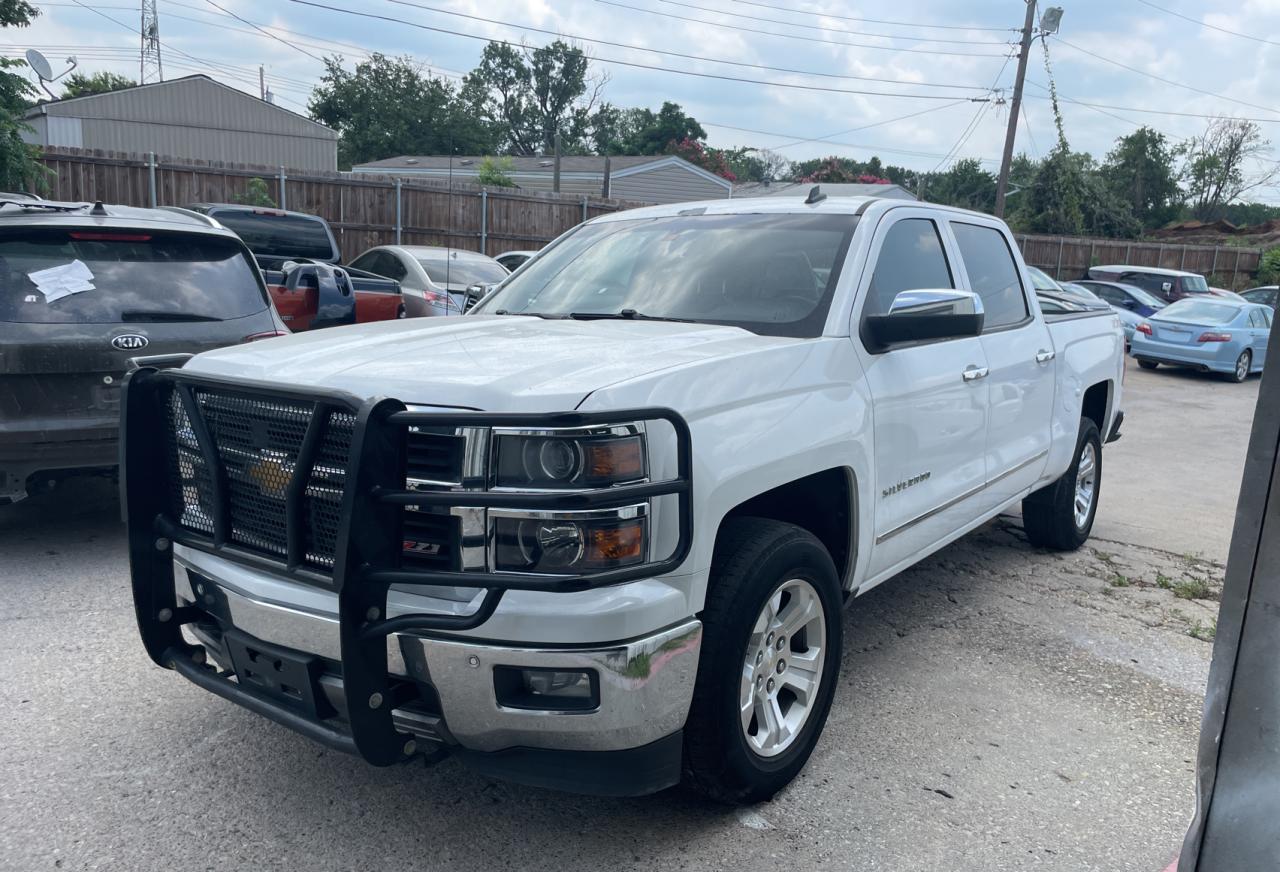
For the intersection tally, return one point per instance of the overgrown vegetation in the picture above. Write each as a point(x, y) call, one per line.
point(20, 168)
point(256, 193)
point(496, 172)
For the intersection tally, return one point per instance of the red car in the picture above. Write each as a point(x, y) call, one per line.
point(314, 291)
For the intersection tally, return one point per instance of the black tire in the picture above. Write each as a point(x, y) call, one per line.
point(1244, 364)
point(753, 558)
point(1148, 364)
point(1049, 514)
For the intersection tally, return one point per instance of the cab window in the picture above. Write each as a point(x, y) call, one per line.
point(910, 259)
point(993, 274)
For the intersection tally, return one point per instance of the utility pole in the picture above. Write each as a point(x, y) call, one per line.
point(150, 68)
point(1028, 32)
point(262, 83)
point(555, 179)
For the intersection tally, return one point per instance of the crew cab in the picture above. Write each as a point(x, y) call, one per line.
point(85, 287)
point(597, 534)
point(300, 259)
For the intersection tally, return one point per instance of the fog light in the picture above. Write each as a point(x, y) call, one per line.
point(547, 689)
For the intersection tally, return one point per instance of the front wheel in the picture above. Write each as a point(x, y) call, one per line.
point(1244, 363)
point(770, 656)
point(1060, 515)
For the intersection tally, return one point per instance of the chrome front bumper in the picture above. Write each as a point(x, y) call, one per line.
point(646, 683)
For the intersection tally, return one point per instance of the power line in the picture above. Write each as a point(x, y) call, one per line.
point(1168, 112)
point(1162, 79)
point(869, 20)
point(874, 148)
point(828, 137)
point(808, 39)
point(1208, 25)
point(562, 35)
point(829, 29)
point(973, 124)
point(291, 45)
point(634, 64)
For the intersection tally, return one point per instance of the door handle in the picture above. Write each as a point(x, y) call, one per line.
point(973, 373)
point(1043, 356)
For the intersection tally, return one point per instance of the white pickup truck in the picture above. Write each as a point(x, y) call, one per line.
point(597, 534)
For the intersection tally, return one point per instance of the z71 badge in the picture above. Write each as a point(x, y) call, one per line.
point(903, 485)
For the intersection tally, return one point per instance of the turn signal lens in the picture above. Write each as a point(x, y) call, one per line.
point(621, 544)
point(1214, 337)
point(616, 459)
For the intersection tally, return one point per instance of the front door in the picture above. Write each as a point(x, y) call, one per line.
point(930, 401)
point(1021, 359)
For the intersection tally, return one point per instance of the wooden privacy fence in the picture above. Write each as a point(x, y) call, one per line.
point(363, 211)
point(1069, 257)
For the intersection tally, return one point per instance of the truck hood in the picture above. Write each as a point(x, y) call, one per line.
point(512, 363)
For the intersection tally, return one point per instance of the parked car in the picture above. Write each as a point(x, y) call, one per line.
point(434, 281)
point(1169, 285)
point(643, 478)
point(1266, 295)
point(1044, 284)
point(513, 260)
point(1226, 295)
point(283, 241)
point(1209, 334)
point(1131, 303)
point(84, 288)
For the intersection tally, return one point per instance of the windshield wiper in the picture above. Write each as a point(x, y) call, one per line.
point(543, 315)
point(139, 315)
point(626, 315)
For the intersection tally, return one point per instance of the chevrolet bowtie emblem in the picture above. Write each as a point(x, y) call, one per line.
point(271, 473)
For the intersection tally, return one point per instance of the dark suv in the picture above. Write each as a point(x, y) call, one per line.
point(1169, 285)
point(84, 288)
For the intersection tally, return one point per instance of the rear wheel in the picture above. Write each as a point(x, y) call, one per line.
point(770, 654)
point(1060, 515)
point(1244, 363)
point(1148, 364)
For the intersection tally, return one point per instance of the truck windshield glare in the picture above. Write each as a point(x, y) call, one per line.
point(770, 274)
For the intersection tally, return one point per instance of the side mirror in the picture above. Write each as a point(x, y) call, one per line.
point(921, 316)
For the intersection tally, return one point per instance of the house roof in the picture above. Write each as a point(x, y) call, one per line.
point(67, 105)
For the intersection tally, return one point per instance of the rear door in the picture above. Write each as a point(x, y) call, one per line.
point(76, 305)
point(1261, 328)
point(1020, 357)
point(930, 419)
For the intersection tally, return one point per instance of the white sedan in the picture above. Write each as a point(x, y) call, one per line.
point(433, 280)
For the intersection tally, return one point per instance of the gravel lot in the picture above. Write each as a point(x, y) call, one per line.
point(1000, 708)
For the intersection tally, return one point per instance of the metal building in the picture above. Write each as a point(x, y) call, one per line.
point(194, 118)
point(642, 178)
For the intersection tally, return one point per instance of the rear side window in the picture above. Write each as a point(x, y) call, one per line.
point(993, 274)
point(278, 234)
point(1155, 284)
point(911, 259)
point(1255, 318)
point(104, 277)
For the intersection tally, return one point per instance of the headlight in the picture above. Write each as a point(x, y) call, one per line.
point(528, 460)
point(562, 542)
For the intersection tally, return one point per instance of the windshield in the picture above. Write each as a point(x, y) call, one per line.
point(772, 274)
point(1145, 298)
point(1195, 285)
point(455, 271)
point(97, 277)
point(1200, 312)
point(276, 234)
point(1040, 280)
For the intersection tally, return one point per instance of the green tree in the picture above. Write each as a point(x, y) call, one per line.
point(496, 172)
point(256, 193)
point(530, 95)
point(756, 164)
point(1216, 164)
point(389, 106)
point(103, 82)
point(965, 184)
point(19, 161)
point(1269, 267)
point(1140, 171)
point(1055, 196)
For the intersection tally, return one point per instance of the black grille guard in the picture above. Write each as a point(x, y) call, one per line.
point(367, 560)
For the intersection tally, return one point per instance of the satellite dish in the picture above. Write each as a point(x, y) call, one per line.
point(40, 64)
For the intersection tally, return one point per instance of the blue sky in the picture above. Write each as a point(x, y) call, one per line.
point(851, 45)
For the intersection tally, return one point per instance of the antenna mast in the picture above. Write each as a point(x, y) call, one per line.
point(150, 68)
